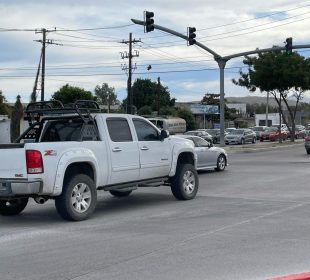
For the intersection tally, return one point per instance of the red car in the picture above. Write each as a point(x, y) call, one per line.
point(272, 134)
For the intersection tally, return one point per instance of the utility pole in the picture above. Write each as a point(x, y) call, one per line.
point(130, 68)
point(158, 95)
point(44, 42)
point(33, 97)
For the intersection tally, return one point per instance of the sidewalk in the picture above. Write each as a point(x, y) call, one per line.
point(262, 146)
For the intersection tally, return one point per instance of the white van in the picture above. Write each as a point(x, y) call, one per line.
point(173, 125)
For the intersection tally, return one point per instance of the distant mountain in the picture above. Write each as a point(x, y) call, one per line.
point(257, 99)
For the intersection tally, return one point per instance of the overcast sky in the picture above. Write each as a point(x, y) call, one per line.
point(88, 38)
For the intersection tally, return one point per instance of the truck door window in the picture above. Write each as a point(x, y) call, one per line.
point(145, 131)
point(119, 130)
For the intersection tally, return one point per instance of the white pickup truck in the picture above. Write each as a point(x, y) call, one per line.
point(68, 154)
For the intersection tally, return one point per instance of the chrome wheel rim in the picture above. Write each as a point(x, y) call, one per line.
point(221, 162)
point(189, 182)
point(81, 197)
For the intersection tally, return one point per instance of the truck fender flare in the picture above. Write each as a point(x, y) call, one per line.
point(74, 156)
point(175, 156)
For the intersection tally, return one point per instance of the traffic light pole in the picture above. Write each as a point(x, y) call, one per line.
point(221, 60)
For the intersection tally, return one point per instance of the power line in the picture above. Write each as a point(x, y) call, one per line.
point(256, 18)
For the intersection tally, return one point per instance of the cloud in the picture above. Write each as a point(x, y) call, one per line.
point(93, 57)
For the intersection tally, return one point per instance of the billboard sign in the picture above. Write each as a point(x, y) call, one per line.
point(197, 108)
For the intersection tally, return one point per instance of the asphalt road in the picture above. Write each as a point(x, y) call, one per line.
point(249, 222)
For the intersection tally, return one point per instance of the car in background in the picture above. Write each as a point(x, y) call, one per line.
point(214, 132)
point(208, 156)
point(272, 134)
point(258, 130)
point(307, 141)
point(203, 134)
point(240, 136)
point(229, 129)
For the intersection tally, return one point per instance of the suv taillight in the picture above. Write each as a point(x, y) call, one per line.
point(307, 138)
point(34, 162)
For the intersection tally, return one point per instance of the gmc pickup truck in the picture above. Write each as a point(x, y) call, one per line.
point(67, 154)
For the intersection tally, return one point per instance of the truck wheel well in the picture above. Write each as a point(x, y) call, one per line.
point(79, 168)
point(185, 158)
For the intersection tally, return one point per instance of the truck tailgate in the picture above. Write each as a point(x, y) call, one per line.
point(12, 161)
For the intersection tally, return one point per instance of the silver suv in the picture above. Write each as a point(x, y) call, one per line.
point(240, 136)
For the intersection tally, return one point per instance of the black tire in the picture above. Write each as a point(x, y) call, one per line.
point(12, 207)
point(184, 184)
point(78, 199)
point(221, 163)
point(254, 140)
point(308, 152)
point(120, 193)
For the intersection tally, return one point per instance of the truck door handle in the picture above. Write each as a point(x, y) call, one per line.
point(144, 148)
point(116, 149)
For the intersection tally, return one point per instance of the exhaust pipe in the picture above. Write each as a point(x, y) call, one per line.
point(40, 199)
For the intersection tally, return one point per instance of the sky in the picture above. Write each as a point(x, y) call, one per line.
point(88, 42)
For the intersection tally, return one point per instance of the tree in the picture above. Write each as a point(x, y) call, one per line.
point(17, 115)
point(214, 99)
point(106, 95)
point(282, 75)
point(70, 94)
point(188, 117)
point(148, 93)
point(145, 110)
point(4, 108)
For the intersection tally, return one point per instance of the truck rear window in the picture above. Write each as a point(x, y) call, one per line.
point(68, 130)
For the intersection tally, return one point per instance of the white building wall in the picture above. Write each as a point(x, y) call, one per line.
point(273, 118)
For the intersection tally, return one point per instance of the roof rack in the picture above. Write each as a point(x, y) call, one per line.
point(36, 110)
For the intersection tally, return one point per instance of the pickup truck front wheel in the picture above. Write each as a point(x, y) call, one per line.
point(13, 206)
point(184, 185)
point(78, 199)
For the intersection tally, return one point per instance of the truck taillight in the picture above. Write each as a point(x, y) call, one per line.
point(34, 162)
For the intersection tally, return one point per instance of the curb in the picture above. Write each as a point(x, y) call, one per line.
point(266, 147)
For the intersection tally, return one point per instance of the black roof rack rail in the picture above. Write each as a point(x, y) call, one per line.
point(35, 110)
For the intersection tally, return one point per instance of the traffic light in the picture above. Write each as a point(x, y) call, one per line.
point(148, 21)
point(289, 45)
point(191, 36)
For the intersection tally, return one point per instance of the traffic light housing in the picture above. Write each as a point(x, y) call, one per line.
point(289, 45)
point(148, 21)
point(191, 35)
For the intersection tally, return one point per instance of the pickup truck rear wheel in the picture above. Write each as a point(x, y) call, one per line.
point(184, 185)
point(13, 207)
point(120, 193)
point(78, 199)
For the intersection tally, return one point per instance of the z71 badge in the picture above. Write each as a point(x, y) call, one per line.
point(50, 153)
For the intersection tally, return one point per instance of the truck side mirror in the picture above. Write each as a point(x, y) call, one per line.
point(164, 134)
